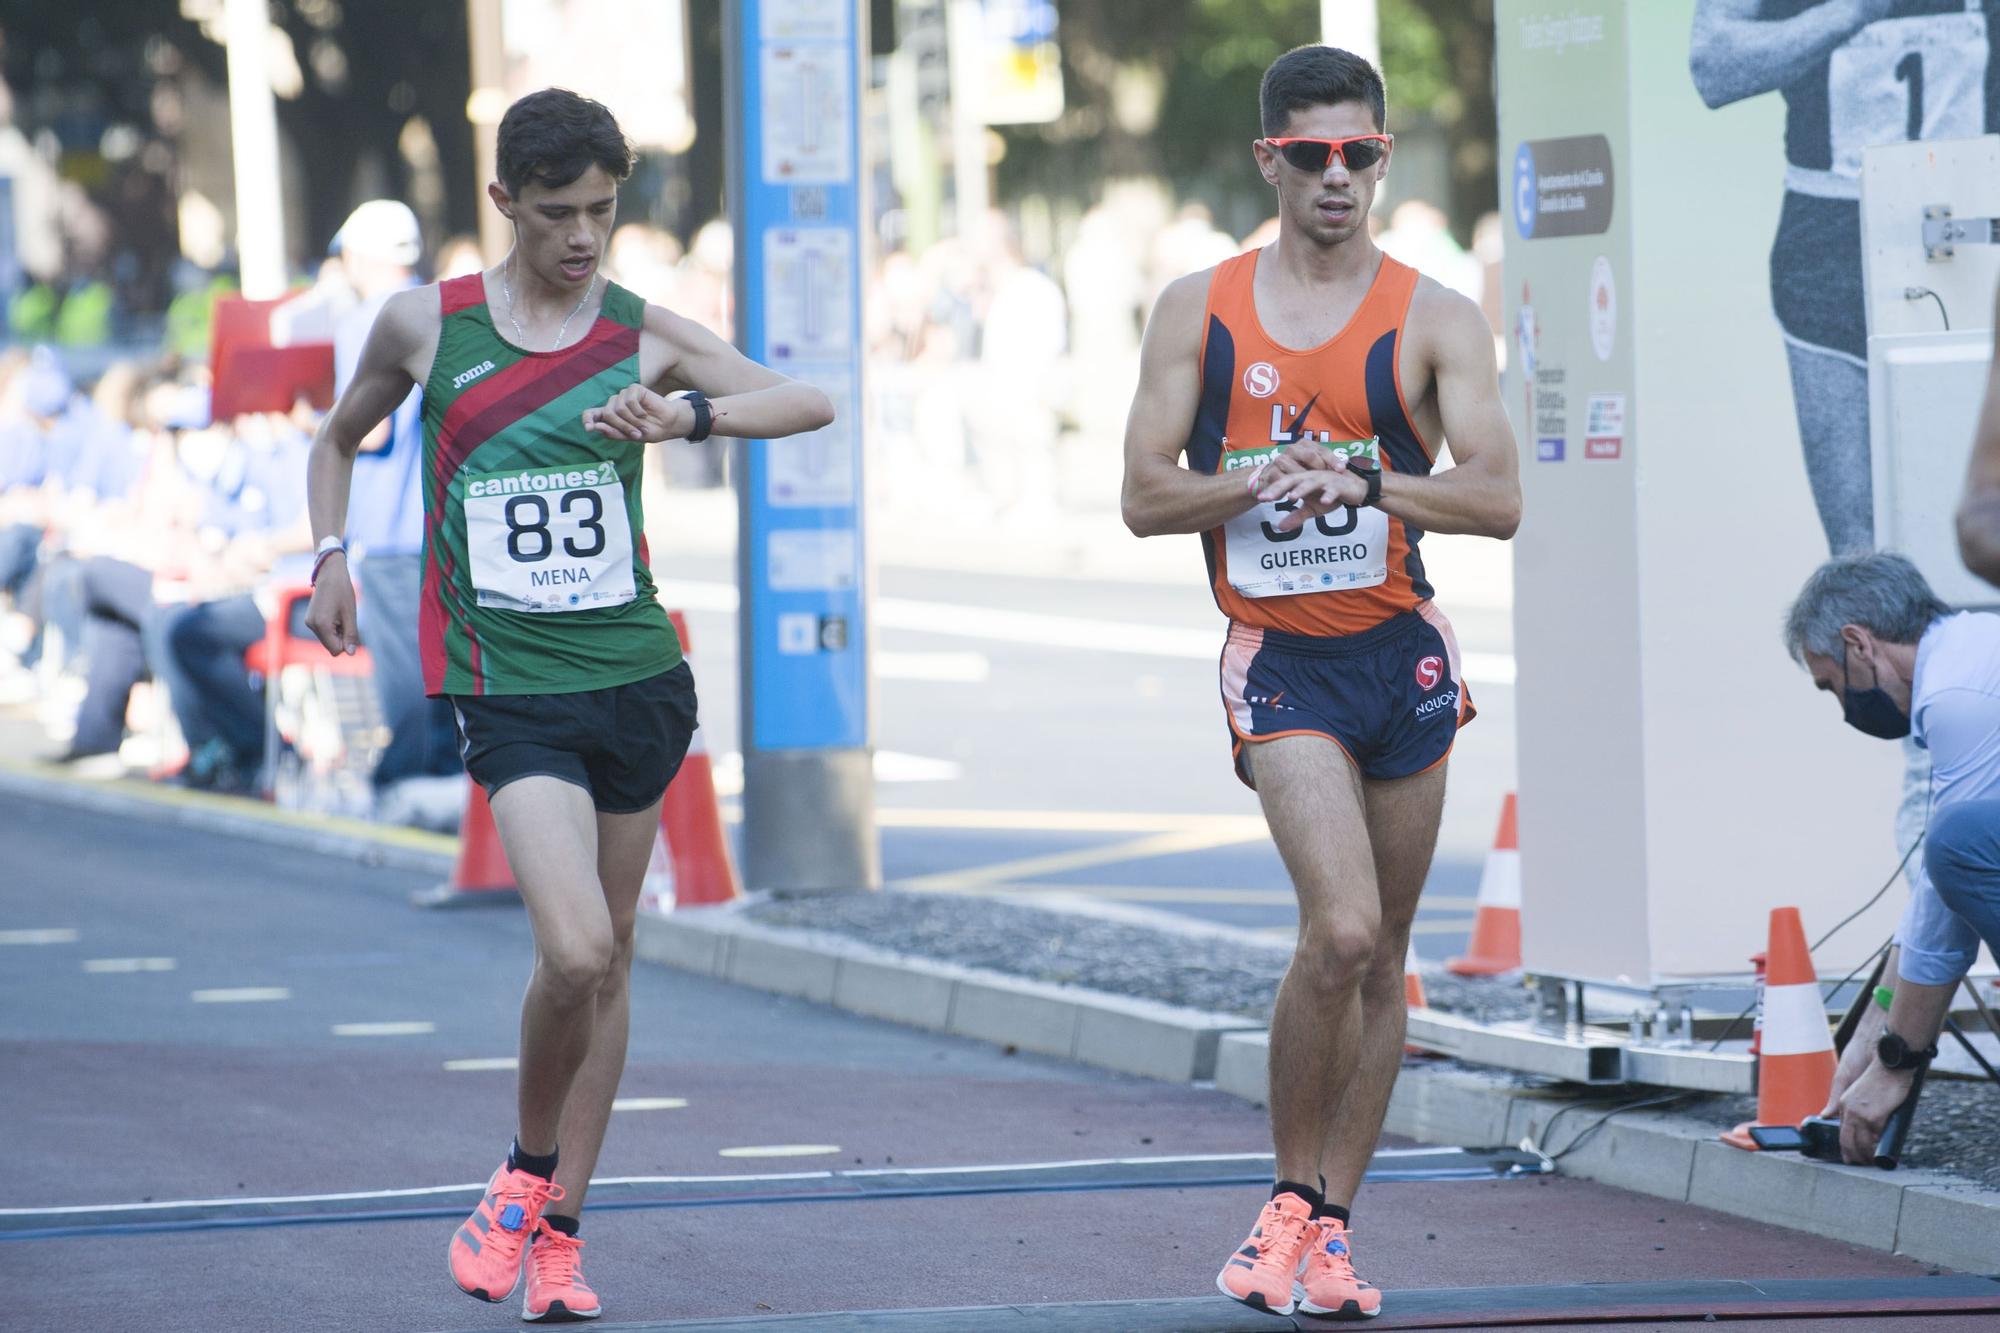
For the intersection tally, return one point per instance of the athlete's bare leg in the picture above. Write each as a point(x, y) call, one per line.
point(1313, 801)
point(549, 830)
point(1403, 817)
point(624, 845)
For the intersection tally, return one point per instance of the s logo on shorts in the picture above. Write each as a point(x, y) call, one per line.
point(1261, 380)
point(1430, 671)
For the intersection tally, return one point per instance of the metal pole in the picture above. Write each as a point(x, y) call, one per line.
point(795, 201)
point(253, 134)
point(1352, 25)
point(963, 22)
point(484, 107)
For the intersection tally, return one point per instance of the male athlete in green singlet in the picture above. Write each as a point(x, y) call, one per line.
point(540, 392)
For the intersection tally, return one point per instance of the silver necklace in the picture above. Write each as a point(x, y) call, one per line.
point(521, 337)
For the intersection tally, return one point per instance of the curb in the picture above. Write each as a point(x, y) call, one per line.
point(325, 835)
point(1925, 1215)
point(1131, 1036)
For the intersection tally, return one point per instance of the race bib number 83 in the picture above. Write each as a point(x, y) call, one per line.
point(549, 539)
point(1347, 548)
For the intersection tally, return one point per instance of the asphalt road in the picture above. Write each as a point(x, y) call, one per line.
point(1067, 722)
point(183, 1017)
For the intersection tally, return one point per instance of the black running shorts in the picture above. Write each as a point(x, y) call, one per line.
point(622, 744)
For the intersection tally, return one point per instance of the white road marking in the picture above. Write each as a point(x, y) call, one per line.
point(405, 1029)
point(1071, 821)
point(483, 1062)
point(779, 1177)
point(783, 1150)
point(945, 668)
point(1044, 630)
point(59, 935)
point(242, 995)
point(649, 1104)
point(128, 964)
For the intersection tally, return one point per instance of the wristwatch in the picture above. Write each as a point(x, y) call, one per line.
point(1892, 1052)
point(1373, 476)
point(704, 415)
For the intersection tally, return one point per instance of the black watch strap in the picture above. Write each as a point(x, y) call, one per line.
point(704, 415)
point(1373, 476)
point(1896, 1053)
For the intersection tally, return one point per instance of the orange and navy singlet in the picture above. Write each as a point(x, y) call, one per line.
point(536, 578)
point(1332, 631)
point(1346, 571)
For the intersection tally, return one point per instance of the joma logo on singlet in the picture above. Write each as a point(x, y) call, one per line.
point(459, 381)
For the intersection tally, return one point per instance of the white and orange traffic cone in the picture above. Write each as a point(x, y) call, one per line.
point(1795, 1059)
point(1413, 991)
point(481, 874)
point(691, 817)
point(1496, 926)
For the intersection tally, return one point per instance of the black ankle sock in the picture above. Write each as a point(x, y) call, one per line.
point(545, 1167)
point(1332, 1210)
point(567, 1225)
point(1306, 1192)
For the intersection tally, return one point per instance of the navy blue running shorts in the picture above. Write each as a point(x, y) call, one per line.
point(1392, 697)
point(622, 744)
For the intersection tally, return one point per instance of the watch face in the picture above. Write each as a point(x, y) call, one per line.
point(1892, 1050)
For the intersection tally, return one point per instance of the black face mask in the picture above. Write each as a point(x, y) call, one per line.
point(1871, 711)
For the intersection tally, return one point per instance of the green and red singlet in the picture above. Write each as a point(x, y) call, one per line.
point(536, 578)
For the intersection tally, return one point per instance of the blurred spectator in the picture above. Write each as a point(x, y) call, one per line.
point(1419, 234)
point(458, 256)
point(380, 247)
point(1021, 347)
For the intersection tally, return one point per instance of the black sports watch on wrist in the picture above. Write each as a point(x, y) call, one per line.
point(1892, 1052)
point(1373, 476)
point(704, 415)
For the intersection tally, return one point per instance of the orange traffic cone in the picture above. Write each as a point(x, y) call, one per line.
point(481, 874)
point(656, 893)
point(1796, 1059)
point(1413, 992)
point(692, 820)
point(1496, 926)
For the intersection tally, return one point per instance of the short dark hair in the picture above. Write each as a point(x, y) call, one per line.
point(1308, 76)
point(554, 136)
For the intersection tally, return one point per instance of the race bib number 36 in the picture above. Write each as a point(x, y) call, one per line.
point(1347, 548)
point(549, 539)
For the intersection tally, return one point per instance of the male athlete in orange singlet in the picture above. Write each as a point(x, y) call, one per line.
point(1310, 385)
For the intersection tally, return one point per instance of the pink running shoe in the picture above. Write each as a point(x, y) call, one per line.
point(486, 1251)
point(556, 1289)
point(1261, 1272)
point(1327, 1286)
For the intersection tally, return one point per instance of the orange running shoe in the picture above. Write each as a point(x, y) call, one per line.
point(556, 1289)
point(1327, 1286)
point(1261, 1272)
point(486, 1251)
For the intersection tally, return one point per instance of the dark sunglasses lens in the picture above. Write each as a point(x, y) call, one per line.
point(1362, 153)
point(1307, 156)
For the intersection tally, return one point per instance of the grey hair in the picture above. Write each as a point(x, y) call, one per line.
point(1882, 592)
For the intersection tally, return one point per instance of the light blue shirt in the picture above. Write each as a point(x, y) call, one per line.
point(1954, 714)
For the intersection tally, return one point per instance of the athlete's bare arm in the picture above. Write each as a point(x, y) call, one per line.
point(1979, 511)
point(397, 357)
point(749, 400)
point(1733, 54)
point(1480, 494)
point(1160, 496)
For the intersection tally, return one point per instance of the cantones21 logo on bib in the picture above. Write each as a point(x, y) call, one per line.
point(1261, 379)
point(1430, 671)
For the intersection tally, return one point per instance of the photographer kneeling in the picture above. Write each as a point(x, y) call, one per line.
point(1872, 633)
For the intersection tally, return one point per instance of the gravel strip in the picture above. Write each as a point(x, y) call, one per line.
point(1198, 971)
point(1956, 1124)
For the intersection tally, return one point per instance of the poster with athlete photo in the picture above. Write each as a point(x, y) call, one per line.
point(1852, 74)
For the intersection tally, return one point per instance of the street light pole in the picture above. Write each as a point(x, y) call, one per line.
point(1352, 25)
point(253, 133)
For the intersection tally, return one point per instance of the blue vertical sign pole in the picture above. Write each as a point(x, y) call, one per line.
point(793, 93)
